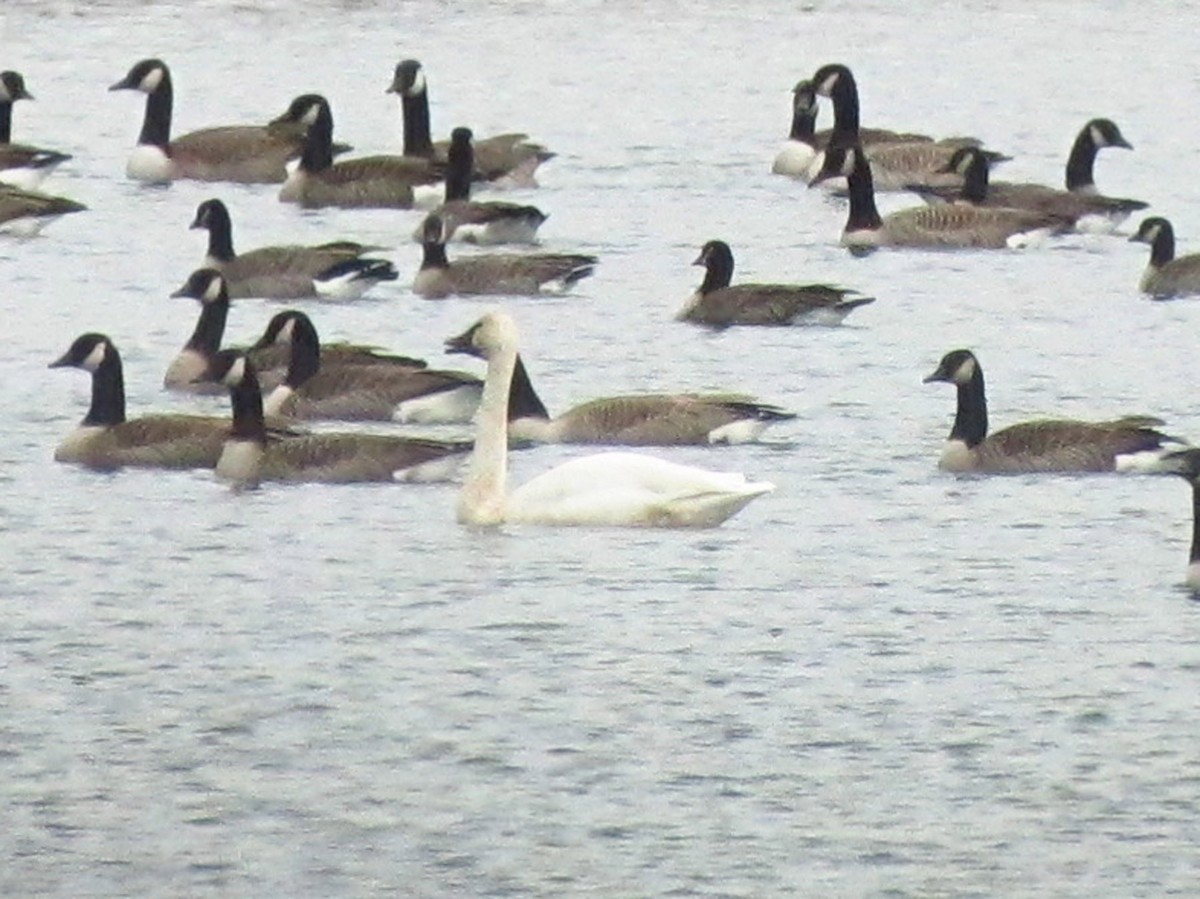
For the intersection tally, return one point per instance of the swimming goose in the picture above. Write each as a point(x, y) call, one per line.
point(487, 222)
point(497, 274)
point(384, 391)
point(270, 355)
point(645, 419)
point(1166, 275)
point(21, 165)
point(106, 439)
point(1186, 464)
point(509, 159)
point(950, 225)
point(1087, 210)
point(248, 154)
point(27, 212)
point(286, 272)
point(615, 489)
point(378, 182)
point(718, 303)
point(249, 455)
point(1050, 445)
point(897, 161)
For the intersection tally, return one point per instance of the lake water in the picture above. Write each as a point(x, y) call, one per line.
point(878, 681)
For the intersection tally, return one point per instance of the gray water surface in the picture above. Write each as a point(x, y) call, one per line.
point(878, 681)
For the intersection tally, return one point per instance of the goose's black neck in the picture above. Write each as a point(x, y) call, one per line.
point(845, 108)
point(460, 165)
point(156, 126)
point(318, 144)
point(1080, 162)
point(1162, 250)
point(305, 359)
point(864, 215)
point(210, 326)
point(433, 255)
point(108, 391)
point(220, 234)
point(246, 399)
point(804, 125)
point(1195, 556)
point(523, 401)
point(975, 180)
point(414, 111)
point(718, 270)
point(971, 421)
point(5, 122)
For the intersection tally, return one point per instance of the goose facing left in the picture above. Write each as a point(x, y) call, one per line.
point(609, 489)
point(1186, 464)
point(1166, 274)
point(720, 304)
point(250, 455)
point(107, 440)
point(248, 154)
point(1131, 443)
point(21, 165)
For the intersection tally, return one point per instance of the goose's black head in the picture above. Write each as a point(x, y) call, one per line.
point(12, 87)
point(408, 80)
point(829, 76)
point(206, 285)
point(433, 230)
point(1150, 229)
point(209, 214)
point(87, 352)
point(956, 367)
point(1105, 133)
point(305, 110)
point(146, 76)
point(1184, 462)
point(715, 251)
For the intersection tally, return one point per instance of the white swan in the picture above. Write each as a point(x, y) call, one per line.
point(618, 489)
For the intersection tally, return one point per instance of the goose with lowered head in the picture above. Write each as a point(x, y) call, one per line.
point(1166, 275)
point(608, 489)
point(718, 303)
point(1186, 464)
point(21, 165)
point(1047, 445)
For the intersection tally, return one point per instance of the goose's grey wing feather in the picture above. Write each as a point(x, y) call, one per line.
point(345, 458)
point(1065, 445)
point(767, 304)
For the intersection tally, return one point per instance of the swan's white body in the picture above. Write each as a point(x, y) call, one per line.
point(606, 489)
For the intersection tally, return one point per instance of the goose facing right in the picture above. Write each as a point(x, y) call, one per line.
point(1166, 275)
point(21, 165)
point(285, 272)
point(26, 212)
point(1048, 445)
point(526, 274)
point(609, 489)
point(720, 304)
point(249, 455)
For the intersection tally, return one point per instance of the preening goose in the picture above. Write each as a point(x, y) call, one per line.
point(486, 222)
point(249, 154)
point(1050, 445)
point(21, 165)
point(946, 226)
point(718, 303)
point(496, 274)
point(285, 272)
point(270, 355)
point(646, 419)
point(1186, 464)
point(1165, 275)
point(362, 391)
point(1086, 210)
point(27, 212)
point(249, 455)
point(897, 160)
point(508, 159)
point(379, 182)
point(106, 440)
point(614, 489)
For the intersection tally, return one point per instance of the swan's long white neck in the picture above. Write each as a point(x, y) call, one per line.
point(482, 499)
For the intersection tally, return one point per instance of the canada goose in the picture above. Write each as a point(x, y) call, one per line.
point(621, 489)
point(507, 158)
point(950, 225)
point(646, 419)
point(488, 222)
point(249, 154)
point(21, 165)
point(27, 212)
point(718, 303)
point(497, 273)
point(384, 391)
point(1050, 445)
point(285, 272)
point(1166, 275)
point(249, 455)
point(270, 357)
point(106, 440)
point(1086, 210)
point(897, 160)
point(1186, 464)
point(377, 182)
